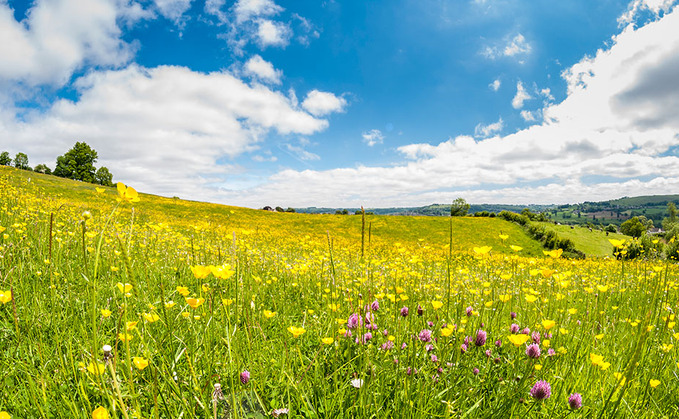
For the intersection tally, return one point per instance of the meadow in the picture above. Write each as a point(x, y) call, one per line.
point(115, 304)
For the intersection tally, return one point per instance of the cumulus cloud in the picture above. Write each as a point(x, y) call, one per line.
point(638, 6)
point(373, 137)
point(495, 85)
point(163, 129)
point(323, 103)
point(484, 131)
point(271, 33)
point(248, 9)
point(58, 37)
point(511, 47)
point(262, 70)
point(173, 9)
point(615, 124)
point(521, 96)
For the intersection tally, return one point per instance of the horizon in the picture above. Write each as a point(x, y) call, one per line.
point(326, 104)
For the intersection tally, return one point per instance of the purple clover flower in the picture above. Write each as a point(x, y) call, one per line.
point(404, 311)
point(575, 401)
point(425, 335)
point(533, 351)
point(245, 377)
point(541, 390)
point(481, 337)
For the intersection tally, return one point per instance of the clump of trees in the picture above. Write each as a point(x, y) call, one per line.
point(77, 164)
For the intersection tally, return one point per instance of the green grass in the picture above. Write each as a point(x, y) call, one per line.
point(591, 243)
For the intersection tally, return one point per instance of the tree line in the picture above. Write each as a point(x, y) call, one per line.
point(77, 164)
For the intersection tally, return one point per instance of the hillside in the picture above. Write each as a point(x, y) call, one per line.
point(412, 231)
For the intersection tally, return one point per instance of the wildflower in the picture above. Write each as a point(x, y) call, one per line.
point(296, 331)
point(375, 306)
point(420, 310)
point(434, 358)
point(201, 272)
point(425, 335)
point(387, 345)
point(245, 377)
point(481, 337)
point(356, 383)
point(551, 352)
point(130, 326)
point(5, 296)
point(512, 315)
point(575, 401)
point(404, 311)
point(125, 337)
point(548, 324)
point(354, 321)
point(516, 248)
point(150, 317)
point(518, 340)
point(277, 412)
point(127, 193)
point(124, 288)
point(498, 343)
point(654, 383)
point(463, 348)
point(476, 371)
point(195, 302)
point(98, 413)
point(533, 351)
point(184, 291)
point(368, 336)
point(436, 304)
point(96, 369)
point(541, 390)
point(536, 337)
point(105, 313)
point(469, 310)
point(140, 362)
point(429, 348)
point(514, 328)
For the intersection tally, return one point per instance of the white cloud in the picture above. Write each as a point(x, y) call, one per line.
point(58, 37)
point(512, 47)
point(637, 6)
point(373, 137)
point(162, 129)
point(301, 153)
point(616, 126)
point(484, 131)
point(323, 103)
point(263, 70)
point(521, 96)
point(271, 33)
point(249, 9)
point(495, 85)
point(528, 116)
point(173, 9)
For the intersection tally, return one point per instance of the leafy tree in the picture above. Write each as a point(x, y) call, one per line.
point(459, 208)
point(42, 168)
point(5, 159)
point(672, 219)
point(634, 227)
point(77, 163)
point(103, 176)
point(280, 209)
point(21, 161)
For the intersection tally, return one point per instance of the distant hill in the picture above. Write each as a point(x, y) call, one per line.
point(614, 211)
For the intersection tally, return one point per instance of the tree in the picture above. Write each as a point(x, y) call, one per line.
point(459, 208)
point(5, 159)
point(103, 176)
point(77, 163)
point(21, 161)
point(42, 168)
point(672, 218)
point(633, 227)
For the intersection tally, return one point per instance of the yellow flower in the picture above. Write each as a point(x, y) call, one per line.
point(124, 288)
point(98, 413)
point(518, 340)
point(195, 302)
point(184, 291)
point(436, 304)
point(227, 301)
point(201, 272)
point(125, 337)
point(150, 317)
point(445, 332)
point(555, 254)
point(5, 415)
point(127, 193)
point(621, 379)
point(538, 367)
point(531, 298)
point(654, 383)
point(328, 341)
point(616, 243)
point(563, 331)
point(482, 250)
point(100, 190)
point(296, 331)
point(572, 311)
point(504, 298)
point(105, 313)
point(516, 248)
point(130, 326)
point(596, 359)
point(602, 288)
point(96, 369)
point(140, 362)
point(546, 272)
point(170, 304)
point(504, 237)
point(548, 324)
point(269, 314)
point(5, 296)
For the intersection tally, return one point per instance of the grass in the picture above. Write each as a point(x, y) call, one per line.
point(591, 243)
point(189, 295)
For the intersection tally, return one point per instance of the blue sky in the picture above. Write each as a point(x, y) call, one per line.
point(330, 103)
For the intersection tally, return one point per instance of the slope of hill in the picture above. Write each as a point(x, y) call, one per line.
point(380, 230)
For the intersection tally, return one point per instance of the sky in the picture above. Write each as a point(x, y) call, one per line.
point(334, 103)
